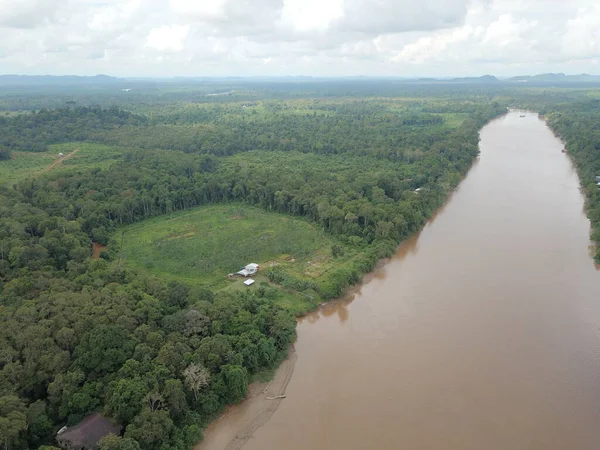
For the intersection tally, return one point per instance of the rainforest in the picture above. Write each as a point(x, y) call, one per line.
point(314, 181)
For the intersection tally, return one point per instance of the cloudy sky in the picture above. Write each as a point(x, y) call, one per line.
point(299, 37)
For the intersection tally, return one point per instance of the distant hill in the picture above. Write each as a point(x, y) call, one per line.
point(99, 81)
point(544, 78)
point(30, 80)
point(556, 78)
point(482, 79)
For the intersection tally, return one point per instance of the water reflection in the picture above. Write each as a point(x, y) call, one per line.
point(339, 307)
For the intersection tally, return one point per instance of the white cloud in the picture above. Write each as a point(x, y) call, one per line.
point(113, 16)
point(490, 35)
point(282, 37)
point(26, 13)
point(386, 16)
point(582, 37)
point(168, 38)
point(212, 9)
point(305, 15)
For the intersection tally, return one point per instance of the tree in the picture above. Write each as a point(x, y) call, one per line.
point(283, 328)
point(196, 377)
point(195, 323)
point(65, 338)
point(201, 294)
point(40, 426)
point(112, 442)
point(175, 398)
point(124, 398)
point(150, 428)
point(155, 401)
point(5, 153)
point(13, 419)
point(337, 250)
point(178, 294)
point(62, 389)
point(103, 350)
point(236, 381)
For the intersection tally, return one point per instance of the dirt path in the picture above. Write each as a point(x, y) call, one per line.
point(237, 425)
point(59, 161)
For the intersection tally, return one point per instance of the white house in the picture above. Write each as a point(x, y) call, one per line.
point(249, 270)
point(249, 282)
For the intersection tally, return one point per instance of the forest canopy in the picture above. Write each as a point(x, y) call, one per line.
point(364, 164)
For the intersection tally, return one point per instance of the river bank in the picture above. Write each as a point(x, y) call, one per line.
point(237, 424)
point(480, 332)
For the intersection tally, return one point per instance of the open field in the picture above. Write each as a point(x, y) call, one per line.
point(89, 155)
point(202, 246)
point(25, 165)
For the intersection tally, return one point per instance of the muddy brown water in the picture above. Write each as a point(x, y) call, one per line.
point(483, 332)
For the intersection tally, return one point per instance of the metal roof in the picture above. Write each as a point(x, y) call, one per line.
point(88, 432)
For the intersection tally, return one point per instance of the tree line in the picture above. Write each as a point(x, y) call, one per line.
point(578, 124)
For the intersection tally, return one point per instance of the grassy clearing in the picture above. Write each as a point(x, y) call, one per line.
point(202, 246)
point(25, 165)
point(453, 120)
point(89, 155)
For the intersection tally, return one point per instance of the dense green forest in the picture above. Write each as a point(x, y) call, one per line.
point(363, 164)
point(578, 124)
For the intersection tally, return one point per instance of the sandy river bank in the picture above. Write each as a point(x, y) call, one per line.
point(239, 422)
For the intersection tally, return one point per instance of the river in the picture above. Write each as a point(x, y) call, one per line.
point(483, 332)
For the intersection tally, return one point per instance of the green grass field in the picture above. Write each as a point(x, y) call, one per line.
point(202, 246)
point(25, 165)
point(89, 155)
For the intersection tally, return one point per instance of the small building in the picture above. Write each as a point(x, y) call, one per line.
point(86, 434)
point(60, 155)
point(249, 282)
point(249, 270)
point(597, 179)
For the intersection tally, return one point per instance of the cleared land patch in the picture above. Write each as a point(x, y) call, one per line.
point(203, 245)
point(78, 155)
point(24, 165)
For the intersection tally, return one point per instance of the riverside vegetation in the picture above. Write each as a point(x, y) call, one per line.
point(315, 181)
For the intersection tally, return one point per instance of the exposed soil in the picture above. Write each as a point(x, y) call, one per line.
point(97, 249)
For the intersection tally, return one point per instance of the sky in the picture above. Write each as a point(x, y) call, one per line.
point(404, 38)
